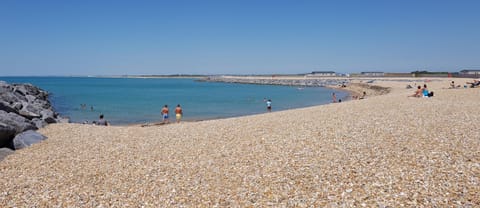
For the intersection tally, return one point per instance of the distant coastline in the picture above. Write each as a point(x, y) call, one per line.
point(186, 76)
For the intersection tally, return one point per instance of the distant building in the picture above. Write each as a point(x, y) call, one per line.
point(372, 74)
point(323, 73)
point(474, 72)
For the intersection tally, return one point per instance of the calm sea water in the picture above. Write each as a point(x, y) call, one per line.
point(127, 101)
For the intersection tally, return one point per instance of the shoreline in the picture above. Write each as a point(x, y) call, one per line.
point(347, 98)
point(351, 91)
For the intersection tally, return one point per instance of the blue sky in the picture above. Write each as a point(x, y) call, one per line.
point(236, 37)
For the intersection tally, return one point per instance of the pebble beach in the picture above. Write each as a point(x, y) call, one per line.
point(388, 150)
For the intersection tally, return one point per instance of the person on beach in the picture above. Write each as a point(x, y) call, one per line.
point(475, 83)
point(418, 92)
point(334, 97)
point(165, 114)
point(102, 122)
point(269, 105)
point(452, 84)
point(178, 113)
point(425, 91)
point(363, 95)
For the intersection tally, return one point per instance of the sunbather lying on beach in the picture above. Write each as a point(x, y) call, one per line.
point(418, 92)
point(475, 83)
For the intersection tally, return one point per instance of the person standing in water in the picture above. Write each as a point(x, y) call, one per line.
point(334, 97)
point(165, 113)
point(269, 105)
point(178, 113)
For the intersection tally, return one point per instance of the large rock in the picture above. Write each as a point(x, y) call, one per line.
point(33, 107)
point(4, 87)
point(39, 123)
point(44, 104)
point(4, 152)
point(26, 89)
point(17, 106)
point(48, 116)
point(6, 107)
point(9, 97)
point(27, 138)
point(20, 123)
point(31, 110)
point(23, 107)
point(7, 133)
point(30, 98)
point(28, 114)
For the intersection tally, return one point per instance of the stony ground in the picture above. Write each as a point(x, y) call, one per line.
point(383, 151)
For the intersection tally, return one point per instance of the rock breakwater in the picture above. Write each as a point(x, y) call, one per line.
point(23, 107)
point(307, 82)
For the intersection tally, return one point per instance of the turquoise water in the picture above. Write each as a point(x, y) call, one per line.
point(127, 101)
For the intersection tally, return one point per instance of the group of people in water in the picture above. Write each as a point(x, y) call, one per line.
point(84, 106)
point(165, 114)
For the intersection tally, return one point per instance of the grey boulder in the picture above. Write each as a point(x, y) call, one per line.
point(20, 123)
point(39, 123)
point(17, 106)
point(30, 98)
point(33, 107)
point(48, 116)
point(6, 134)
point(28, 114)
point(26, 89)
point(27, 138)
point(6, 107)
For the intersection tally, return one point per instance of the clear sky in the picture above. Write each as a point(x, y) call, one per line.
point(98, 37)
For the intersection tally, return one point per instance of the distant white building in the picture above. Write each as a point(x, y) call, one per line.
point(323, 73)
point(475, 72)
point(373, 74)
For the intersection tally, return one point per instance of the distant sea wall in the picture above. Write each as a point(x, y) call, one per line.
point(310, 82)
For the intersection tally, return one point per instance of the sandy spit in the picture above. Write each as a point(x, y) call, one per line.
point(383, 151)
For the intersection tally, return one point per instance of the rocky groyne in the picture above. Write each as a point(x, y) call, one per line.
point(23, 109)
point(307, 82)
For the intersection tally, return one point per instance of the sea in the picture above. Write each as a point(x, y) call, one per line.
point(126, 101)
